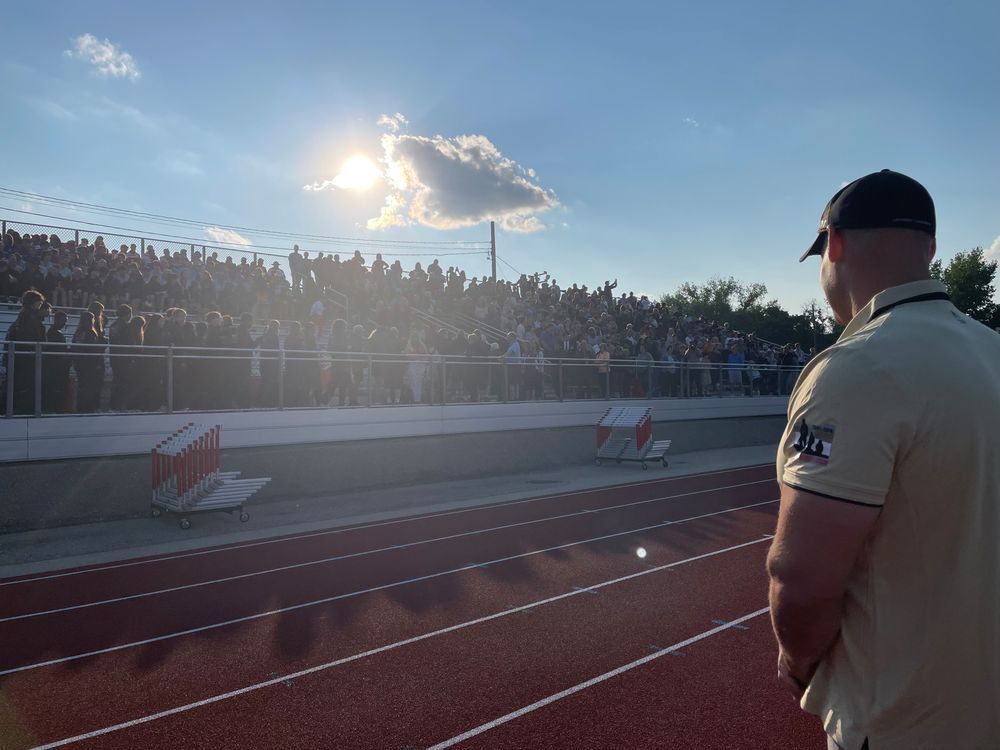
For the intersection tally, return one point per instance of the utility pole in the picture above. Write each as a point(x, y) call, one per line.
point(493, 250)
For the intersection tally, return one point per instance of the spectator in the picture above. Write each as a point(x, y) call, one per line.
point(416, 369)
point(117, 335)
point(88, 362)
point(27, 330)
point(243, 343)
point(56, 367)
point(644, 372)
point(133, 396)
point(269, 343)
point(512, 367)
point(296, 366)
point(340, 368)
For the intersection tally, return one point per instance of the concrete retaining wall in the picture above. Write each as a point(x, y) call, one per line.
point(40, 494)
point(130, 434)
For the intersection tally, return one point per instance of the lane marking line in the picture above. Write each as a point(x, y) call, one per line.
point(383, 587)
point(726, 622)
point(673, 650)
point(351, 555)
point(399, 644)
point(346, 529)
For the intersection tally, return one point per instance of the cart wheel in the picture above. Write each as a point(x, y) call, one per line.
point(185, 524)
point(157, 512)
point(244, 516)
point(644, 467)
point(597, 461)
point(665, 464)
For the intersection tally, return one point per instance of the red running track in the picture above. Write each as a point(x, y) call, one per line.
point(389, 647)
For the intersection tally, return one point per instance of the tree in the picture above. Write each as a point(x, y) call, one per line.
point(746, 308)
point(969, 279)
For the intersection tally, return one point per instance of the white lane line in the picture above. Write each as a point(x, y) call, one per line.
point(363, 553)
point(674, 649)
point(346, 529)
point(400, 644)
point(383, 587)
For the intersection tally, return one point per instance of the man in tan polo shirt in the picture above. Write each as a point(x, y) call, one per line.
point(885, 567)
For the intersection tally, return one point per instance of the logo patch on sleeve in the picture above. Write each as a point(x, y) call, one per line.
point(814, 442)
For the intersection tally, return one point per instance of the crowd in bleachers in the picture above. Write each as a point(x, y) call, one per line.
point(501, 337)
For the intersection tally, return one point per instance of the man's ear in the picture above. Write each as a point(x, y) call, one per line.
point(834, 245)
point(932, 250)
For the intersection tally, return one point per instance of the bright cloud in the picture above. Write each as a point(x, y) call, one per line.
point(105, 56)
point(448, 183)
point(392, 123)
point(227, 236)
point(357, 173)
point(392, 213)
point(691, 122)
point(994, 250)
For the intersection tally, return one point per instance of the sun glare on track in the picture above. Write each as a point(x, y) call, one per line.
point(641, 553)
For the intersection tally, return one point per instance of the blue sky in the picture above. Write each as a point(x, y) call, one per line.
point(666, 143)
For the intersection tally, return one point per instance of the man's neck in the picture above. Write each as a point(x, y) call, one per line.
point(864, 294)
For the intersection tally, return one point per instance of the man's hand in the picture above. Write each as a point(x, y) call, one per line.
point(815, 548)
point(794, 684)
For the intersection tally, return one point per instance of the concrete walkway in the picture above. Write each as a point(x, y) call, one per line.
point(33, 552)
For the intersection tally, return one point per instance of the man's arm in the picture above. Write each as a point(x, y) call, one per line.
point(816, 545)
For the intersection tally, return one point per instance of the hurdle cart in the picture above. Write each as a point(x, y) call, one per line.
point(625, 433)
point(187, 476)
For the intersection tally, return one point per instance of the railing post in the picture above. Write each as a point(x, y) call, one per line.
point(444, 381)
point(3, 228)
point(38, 379)
point(9, 411)
point(561, 396)
point(281, 373)
point(368, 381)
point(77, 237)
point(142, 242)
point(170, 380)
point(607, 381)
point(506, 383)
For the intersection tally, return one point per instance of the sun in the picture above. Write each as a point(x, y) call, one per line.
point(358, 173)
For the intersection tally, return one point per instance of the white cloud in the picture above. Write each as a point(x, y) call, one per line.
point(227, 236)
point(105, 56)
point(392, 123)
point(691, 122)
point(993, 252)
point(180, 162)
point(448, 183)
point(391, 214)
point(357, 173)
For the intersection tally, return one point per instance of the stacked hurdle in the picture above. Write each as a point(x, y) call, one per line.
point(187, 475)
point(625, 433)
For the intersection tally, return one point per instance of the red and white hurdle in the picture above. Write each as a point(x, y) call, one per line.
point(625, 433)
point(187, 475)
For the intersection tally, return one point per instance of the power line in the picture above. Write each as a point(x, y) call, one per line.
point(162, 218)
point(509, 266)
point(368, 245)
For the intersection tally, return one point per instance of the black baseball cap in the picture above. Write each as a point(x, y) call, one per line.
point(878, 200)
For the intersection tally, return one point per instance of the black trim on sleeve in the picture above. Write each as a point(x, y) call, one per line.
point(831, 497)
